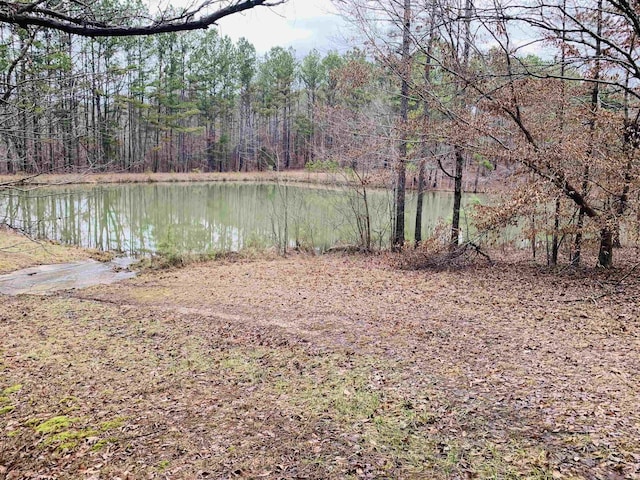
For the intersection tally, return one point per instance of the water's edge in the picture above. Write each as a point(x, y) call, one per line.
point(47, 279)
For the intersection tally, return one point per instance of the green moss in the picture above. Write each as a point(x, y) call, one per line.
point(69, 401)
point(12, 389)
point(100, 444)
point(69, 439)
point(6, 409)
point(55, 424)
point(111, 424)
point(58, 431)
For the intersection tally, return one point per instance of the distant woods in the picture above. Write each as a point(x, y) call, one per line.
point(171, 102)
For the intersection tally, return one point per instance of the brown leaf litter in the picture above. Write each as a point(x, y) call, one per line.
point(325, 367)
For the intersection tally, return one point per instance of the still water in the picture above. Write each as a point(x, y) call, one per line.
point(203, 217)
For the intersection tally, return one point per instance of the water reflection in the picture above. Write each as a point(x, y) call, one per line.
point(143, 218)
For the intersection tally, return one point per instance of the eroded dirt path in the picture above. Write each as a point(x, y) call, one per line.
point(46, 279)
point(326, 367)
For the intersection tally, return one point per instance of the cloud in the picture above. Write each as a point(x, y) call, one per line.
point(301, 24)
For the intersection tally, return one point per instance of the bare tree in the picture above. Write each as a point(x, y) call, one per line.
point(401, 167)
point(598, 40)
point(88, 19)
point(389, 31)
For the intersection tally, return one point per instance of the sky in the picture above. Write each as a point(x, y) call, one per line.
point(301, 24)
point(308, 24)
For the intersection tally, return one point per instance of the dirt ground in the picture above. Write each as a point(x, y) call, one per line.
point(327, 367)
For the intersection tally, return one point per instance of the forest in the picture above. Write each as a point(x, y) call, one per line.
point(452, 353)
point(542, 97)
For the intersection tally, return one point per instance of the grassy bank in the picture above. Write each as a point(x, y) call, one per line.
point(298, 176)
point(326, 367)
point(381, 180)
point(18, 251)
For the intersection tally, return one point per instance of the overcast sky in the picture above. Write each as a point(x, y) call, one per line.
point(301, 24)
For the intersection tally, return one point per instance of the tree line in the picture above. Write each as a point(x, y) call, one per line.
point(171, 102)
point(442, 87)
point(548, 89)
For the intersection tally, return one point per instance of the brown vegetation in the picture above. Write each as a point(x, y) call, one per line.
point(149, 177)
point(295, 176)
point(18, 251)
point(306, 367)
point(376, 179)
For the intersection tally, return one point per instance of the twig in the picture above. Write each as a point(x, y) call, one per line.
point(480, 252)
point(626, 275)
point(612, 290)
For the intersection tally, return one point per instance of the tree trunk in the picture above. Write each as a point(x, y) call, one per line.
point(605, 254)
point(457, 200)
point(457, 189)
point(595, 100)
point(401, 173)
point(425, 116)
point(421, 185)
point(555, 244)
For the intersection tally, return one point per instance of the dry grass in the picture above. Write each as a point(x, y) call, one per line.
point(18, 251)
point(327, 368)
point(300, 176)
point(382, 179)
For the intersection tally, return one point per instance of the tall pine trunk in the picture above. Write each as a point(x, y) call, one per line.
point(401, 169)
point(425, 117)
point(458, 152)
point(457, 200)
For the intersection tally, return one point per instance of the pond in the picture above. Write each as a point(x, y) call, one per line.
point(139, 219)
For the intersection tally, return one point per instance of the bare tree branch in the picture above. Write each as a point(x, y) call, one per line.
point(84, 24)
